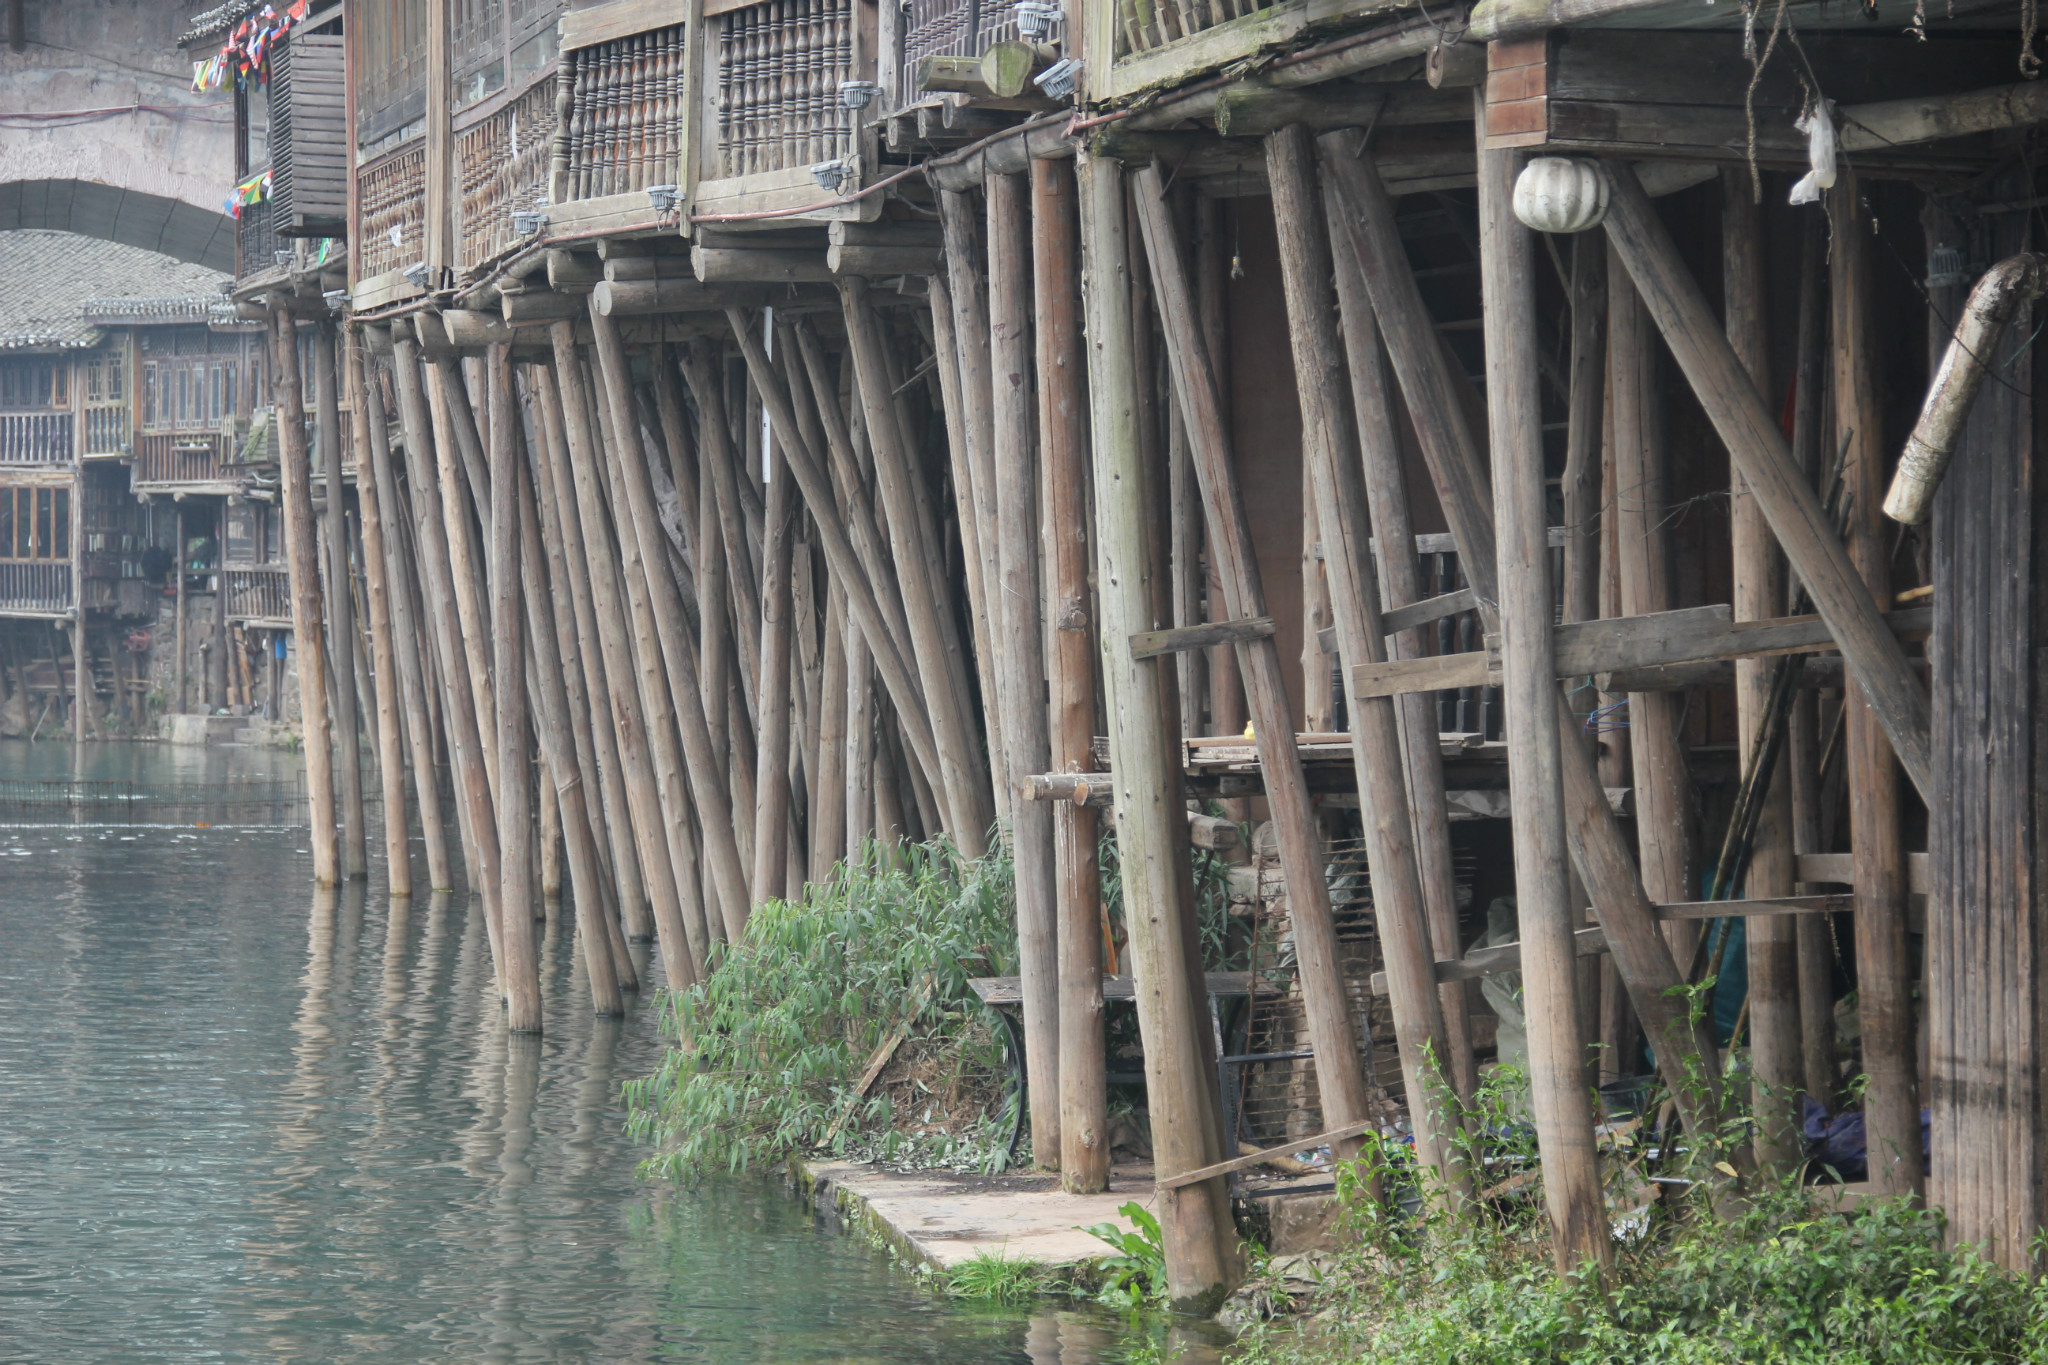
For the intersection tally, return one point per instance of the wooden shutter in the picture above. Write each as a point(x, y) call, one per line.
point(308, 137)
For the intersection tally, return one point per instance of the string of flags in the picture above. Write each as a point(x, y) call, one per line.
point(247, 50)
point(254, 190)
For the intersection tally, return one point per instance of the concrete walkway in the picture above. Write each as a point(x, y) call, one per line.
point(941, 1219)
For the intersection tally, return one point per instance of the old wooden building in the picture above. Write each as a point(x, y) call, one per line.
point(807, 419)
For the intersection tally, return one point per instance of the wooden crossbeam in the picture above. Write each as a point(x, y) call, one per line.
point(1238, 1163)
point(1150, 644)
point(1691, 635)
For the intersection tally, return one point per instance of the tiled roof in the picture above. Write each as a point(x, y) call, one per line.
point(214, 22)
point(57, 289)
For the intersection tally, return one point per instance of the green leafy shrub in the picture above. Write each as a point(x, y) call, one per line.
point(769, 1047)
point(1136, 1274)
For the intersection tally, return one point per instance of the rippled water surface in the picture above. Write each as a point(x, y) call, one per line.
point(241, 1122)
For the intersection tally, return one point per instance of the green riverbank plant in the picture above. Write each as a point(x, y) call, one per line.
point(1739, 1272)
point(768, 1050)
point(992, 1277)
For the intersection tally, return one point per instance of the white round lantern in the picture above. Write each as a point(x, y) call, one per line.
point(1561, 194)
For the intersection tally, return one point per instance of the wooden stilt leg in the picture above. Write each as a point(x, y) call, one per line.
point(515, 774)
point(1201, 1252)
point(341, 619)
point(828, 780)
point(1884, 959)
point(771, 773)
point(302, 561)
point(1773, 946)
point(1337, 495)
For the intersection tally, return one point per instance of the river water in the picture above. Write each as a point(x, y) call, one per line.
point(240, 1121)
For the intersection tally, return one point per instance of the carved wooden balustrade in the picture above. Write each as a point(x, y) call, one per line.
point(391, 197)
point(258, 594)
point(502, 166)
point(622, 127)
point(35, 437)
point(42, 587)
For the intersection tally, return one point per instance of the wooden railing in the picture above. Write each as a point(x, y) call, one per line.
point(624, 123)
point(35, 437)
point(955, 28)
point(503, 166)
point(106, 430)
point(35, 586)
point(178, 457)
point(256, 240)
point(779, 68)
point(392, 193)
point(262, 594)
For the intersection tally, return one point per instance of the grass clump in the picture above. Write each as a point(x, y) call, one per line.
point(994, 1277)
point(770, 1046)
point(1737, 1272)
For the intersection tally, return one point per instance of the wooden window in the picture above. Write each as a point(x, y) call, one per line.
point(35, 523)
point(33, 383)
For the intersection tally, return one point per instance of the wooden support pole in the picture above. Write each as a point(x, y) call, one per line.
point(1884, 957)
point(634, 487)
point(1759, 451)
point(1340, 1077)
point(369, 432)
point(1336, 494)
point(1212, 289)
point(1684, 1046)
point(303, 566)
point(341, 619)
point(459, 517)
point(182, 610)
point(1772, 940)
point(1564, 1115)
point(721, 461)
point(828, 779)
point(1386, 487)
point(555, 724)
point(584, 687)
point(475, 810)
point(1664, 825)
point(1063, 438)
point(1202, 1259)
point(1021, 663)
point(515, 774)
point(771, 773)
point(586, 524)
point(1584, 428)
point(935, 644)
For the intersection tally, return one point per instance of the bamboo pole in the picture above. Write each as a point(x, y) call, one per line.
point(1202, 1259)
point(340, 606)
point(1340, 1078)
point(1336, 493)
point(1386, 488)
point(1663, 787)
point(1564, 1116)
point(304, 570)
point(1021, 665)
point(935, 644)
point(1063, 433)
point(1685, 1047)
point(1773, 946)
point(515, 774)
point(634, 486)
point(384, 675)
point(555, 727)
point(590, 727)
point(585, 522)
point(1884, 958)
point(476, 813)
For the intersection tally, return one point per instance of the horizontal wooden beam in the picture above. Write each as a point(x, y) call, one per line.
point(1150, 644)
point(1836, 869)
point(1507, 957)
point(1618, 644)
point(1238, 1163)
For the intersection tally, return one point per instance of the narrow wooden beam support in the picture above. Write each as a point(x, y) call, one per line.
point(341, 614)
point(1564, 1116)
point(303, 566)
point(1340, 1078)
point(1063, 443)
point(1772, 940)
point(771, 770)
point(391, 731)
point(1759, 451)
point(1150, 644)
point(1884, 955)
point(515, 772)
point(1336, 493)
point(1202, 1257)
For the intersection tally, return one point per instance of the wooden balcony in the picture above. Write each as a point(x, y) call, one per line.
point(621, 117)
point(256, 241)
point(182, 460)
point(35, 438)
point(1160, 43)
point(262, 594)
point(35, 588)
point(391, 196)
point(502, 164)
point(106, 430)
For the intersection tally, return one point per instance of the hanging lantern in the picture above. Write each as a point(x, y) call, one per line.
point(1561, 194)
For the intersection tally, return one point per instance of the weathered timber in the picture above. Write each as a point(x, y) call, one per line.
point(1202, 1259)
point(771, 773)
point(341, 618)
point(1339, 1077)
point(1063, 443)
point(1337, 486)
point(304, 571)
point(1760, 452)
point(1150, 644)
